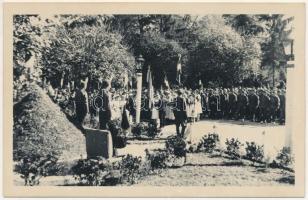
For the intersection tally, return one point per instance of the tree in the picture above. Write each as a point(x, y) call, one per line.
point(221, 56)
point(87, 51)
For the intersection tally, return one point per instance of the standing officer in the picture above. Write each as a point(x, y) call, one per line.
point(264, 105)
point(232, 104)
point(180, 114)
point(224, 102)
point(242, 103)
point(275, 104)
point(81, 105)
point(213, 104)
point(282, 108)
point(253, 104)
point(103, 103)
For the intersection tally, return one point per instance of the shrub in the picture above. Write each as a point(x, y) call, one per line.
point(177, 146)
point(148, 129)
point(92, 171)
point(254, 152)
point(100, 172)
point(153, 130)
point(33, 167)
point(140, 129)
point(130, 168)
point(284, 157)
point(233, 148)
point(208, 143)
point(157, 159)
point(118, 136)
point(41, 128)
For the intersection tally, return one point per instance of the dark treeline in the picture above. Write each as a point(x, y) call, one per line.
point(215, 50)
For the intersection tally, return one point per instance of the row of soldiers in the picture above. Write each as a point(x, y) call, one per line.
point(260, 105)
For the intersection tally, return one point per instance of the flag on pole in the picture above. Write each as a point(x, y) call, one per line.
point(200, 84)
point(150, 86)
point(179, 69)
point(166, 83)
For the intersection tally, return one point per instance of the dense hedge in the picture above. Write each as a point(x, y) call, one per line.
point(41, 128)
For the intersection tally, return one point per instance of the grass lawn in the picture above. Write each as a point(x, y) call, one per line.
point(204, 170)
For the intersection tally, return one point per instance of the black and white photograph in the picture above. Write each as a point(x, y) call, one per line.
point(153, 100)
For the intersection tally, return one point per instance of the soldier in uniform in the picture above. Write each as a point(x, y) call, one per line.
point(282, 108)
point(213, 104)
point(275, 104)
point(103, 103)
point(265, 101)
point(81, 105)
point(180, 114)
point(232, 104)
point(224, 102)
point(204, 102)
point(242, 103)
point(253, 104)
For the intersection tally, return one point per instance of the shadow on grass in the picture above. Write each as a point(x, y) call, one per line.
point(224, 164)
point(246, 123)
point(288, 179)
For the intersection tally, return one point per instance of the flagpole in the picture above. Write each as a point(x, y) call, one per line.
point(140, 62)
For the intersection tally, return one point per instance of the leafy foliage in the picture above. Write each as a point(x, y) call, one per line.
point(87, 52)
point(221, 48)
point(233, 148)
point(208, 143)
point(284, 157)
point(177, 146)
point(130, 167)
point(101, 172)
point(229, 56)
point(33, 167)
point(158, 159)
point(147, 129)
point(92, 171)
point(118, 136)
point(254, 152)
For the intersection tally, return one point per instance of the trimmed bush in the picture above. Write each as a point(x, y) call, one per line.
point(284, 158)
point(42, 129)
point(33, 167)
point(177, 146)
point(208, 143)
point(118, 136)
point(254, 152)
point(101, 172)
point(148, 129)
point(233, 148)
point(158, 159)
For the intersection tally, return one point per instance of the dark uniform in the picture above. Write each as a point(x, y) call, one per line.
point(103, 102)
point(264, 106)
point(224, 104)
point(82, 107)
point(253, 104)
point(180, 115)
point(242, 103)
point(232, 104)
point(213, 105)
point(204, 103)
point(275, 104)
point(282, 108)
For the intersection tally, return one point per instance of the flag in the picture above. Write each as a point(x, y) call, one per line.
point(200, 84)
point(126, 80)
point(150, 86)
point(179, 70)
point(166, 83)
